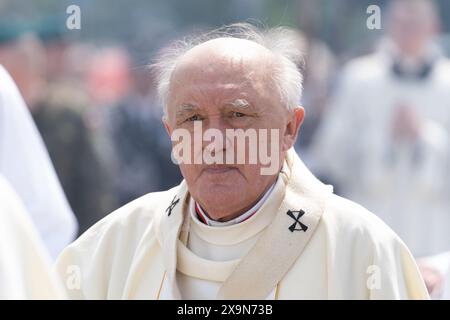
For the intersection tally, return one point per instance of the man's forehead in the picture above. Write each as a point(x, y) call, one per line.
point(225, 54)
point(230, 45)
point(221, 69)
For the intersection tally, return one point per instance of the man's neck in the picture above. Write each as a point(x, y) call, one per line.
point(238, 217)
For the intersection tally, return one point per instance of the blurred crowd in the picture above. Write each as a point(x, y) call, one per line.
point(98, 117)
point(377, 127)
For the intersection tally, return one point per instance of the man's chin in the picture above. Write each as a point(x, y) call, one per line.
point(219, 189)
point(220, 176)
point(220, 195)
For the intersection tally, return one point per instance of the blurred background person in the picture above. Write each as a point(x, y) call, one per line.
point(25, 266)
point(57, 102)
point(25, 164)
point(385, 139)
point(446, 287)
point(319, 68)
point(61, 118)
point(127, 120)
point(140, 141)
point(436, 272)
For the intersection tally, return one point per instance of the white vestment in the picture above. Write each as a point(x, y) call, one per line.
point(406, 184)
point(316, 246)
point(25, 268)
point(207, 255)
point(25, 164)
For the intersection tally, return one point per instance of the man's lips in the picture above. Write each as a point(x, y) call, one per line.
point(217, 169)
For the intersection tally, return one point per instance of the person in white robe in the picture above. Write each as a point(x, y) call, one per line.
point(25, 164)
point(26, 271)
point(231, 230)
point(385, 138)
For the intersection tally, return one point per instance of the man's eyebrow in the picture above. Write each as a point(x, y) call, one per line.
point(239, 103)
point(185, 107)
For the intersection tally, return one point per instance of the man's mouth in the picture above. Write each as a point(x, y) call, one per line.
point(218, 169)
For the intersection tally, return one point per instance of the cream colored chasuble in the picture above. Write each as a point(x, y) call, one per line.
point(243, 276)
point(207, 255)
point(304, 243)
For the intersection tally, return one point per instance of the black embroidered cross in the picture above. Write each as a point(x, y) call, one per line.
point(172, 205)
point(293, 227)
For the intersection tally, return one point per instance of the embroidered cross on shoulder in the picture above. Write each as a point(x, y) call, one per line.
point(293, 227)
point(172, 205)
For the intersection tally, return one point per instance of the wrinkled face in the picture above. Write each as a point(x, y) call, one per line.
point(225, 84)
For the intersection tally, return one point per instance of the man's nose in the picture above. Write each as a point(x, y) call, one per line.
point(216, 122)
point(215, 128)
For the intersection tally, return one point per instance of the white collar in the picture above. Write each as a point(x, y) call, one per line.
point(236, 220)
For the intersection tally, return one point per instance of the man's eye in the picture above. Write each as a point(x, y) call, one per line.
point(237, 114)
point(194, 118)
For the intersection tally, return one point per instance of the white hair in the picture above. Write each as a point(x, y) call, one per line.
point(284, 43)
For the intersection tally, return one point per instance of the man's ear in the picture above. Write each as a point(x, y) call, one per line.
point(295, 121)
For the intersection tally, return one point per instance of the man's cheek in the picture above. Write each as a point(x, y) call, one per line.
point(190, 171)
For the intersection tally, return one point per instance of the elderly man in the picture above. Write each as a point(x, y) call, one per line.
point(240, 229)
